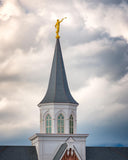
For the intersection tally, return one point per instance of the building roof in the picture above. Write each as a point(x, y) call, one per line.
point(60, 151)
point(99, 153)
point(18, 153)
point(92, 153)
point(58, 90)
point(107, 153)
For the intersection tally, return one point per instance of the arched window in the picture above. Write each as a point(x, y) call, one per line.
point(71, 127)
point(48, 124)
point(60, 122)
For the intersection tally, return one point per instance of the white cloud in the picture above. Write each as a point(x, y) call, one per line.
point(112, 18)
point(3, 103)
point(100, 100)
point(9, 9)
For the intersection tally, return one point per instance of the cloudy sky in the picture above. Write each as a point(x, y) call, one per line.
point(94, 42)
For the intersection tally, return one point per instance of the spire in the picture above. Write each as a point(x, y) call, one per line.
point(58, 90)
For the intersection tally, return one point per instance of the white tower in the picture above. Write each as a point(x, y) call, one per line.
point(57, 139)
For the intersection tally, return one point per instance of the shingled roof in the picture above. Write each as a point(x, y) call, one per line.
point(58, 90)
point(107, 153)
point(99, 153)
point(18, 153)
point(92, 153)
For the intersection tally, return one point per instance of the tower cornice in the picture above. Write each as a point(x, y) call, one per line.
point(59, 104)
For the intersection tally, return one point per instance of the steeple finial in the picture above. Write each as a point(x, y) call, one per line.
point(57, 26)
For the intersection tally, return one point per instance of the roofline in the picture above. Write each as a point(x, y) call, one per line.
point(47, 104)
point(57, 135)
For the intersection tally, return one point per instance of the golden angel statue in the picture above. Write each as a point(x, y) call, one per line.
point(57, 26)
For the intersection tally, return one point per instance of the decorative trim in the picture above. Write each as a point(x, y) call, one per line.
point(37, 135)
point(47, 104)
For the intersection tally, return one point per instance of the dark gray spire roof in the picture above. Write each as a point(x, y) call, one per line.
point(58, 90)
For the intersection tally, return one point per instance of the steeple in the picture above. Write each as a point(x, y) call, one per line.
point(58, 138)
point(58, 90)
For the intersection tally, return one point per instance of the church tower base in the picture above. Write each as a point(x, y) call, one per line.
point(59, 146)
